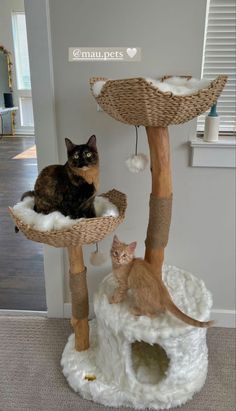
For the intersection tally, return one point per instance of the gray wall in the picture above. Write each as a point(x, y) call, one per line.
point(170, 34)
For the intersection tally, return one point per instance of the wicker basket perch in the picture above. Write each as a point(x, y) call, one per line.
point(87, 231)
point(135, 101)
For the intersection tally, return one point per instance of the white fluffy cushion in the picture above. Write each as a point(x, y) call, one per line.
point(97, 87)
point(179, 86)
point(56, 220)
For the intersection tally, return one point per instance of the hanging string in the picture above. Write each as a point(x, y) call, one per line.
point(136, 162)
point(136, 142)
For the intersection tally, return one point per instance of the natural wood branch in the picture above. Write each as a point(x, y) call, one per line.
point(158, 139)
point(79, 296)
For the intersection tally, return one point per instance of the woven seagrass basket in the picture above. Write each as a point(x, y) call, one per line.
point(135, 101)
point(87, 231)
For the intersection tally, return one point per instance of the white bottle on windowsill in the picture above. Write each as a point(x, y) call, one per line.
point(212, 122)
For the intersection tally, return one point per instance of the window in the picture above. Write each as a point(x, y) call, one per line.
point(26, 112)
point(219, 58)
point(21, 51)
point(22, 94)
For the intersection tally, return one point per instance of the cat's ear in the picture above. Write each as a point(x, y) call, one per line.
point(132, 246)
point(92, 142)
point(69, 145)
point(115, 240)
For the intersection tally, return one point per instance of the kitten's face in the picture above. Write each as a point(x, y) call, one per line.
point(122, 253)
point(83, 155)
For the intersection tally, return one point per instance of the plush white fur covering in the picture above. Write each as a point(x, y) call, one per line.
point(97, 87)
point(179, 86)
point(56, 220)
point(104, 208)
point(137, 163)
point(126, 380)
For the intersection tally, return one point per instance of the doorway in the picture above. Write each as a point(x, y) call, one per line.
point(22, 284)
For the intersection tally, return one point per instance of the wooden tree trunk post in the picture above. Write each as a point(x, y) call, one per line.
point(79, 297)
point(161, 197)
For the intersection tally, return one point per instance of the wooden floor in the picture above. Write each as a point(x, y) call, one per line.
point(21, 261)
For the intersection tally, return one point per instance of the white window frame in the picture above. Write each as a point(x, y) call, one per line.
point(19, 92)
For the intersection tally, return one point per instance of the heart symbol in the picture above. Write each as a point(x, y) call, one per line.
point(131, 52)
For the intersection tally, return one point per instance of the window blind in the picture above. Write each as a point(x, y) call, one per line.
point(219, 58)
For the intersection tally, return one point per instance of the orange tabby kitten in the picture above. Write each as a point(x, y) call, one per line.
point(150, 293)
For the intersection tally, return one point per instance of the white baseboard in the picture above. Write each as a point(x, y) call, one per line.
point(222, 318)
point(23, 313)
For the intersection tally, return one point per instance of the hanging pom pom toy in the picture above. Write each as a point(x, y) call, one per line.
point(97, 258)
point(137, 162)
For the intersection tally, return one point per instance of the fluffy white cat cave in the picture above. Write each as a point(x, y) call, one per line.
point(138, 361)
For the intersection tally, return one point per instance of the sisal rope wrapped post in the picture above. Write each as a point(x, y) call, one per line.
point(161, 197)
point(79, 298)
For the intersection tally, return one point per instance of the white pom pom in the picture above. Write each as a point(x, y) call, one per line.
point(97, 258)
point(137, 163)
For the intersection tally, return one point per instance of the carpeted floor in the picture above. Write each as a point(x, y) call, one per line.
point(31, 378)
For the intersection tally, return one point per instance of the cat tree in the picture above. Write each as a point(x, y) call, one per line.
point(138, 361)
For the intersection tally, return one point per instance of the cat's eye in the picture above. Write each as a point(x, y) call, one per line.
point(88, 154)
point(124, 255)
point(76, 156)
point(115, 253)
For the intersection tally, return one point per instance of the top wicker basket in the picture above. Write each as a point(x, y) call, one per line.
point(86, 231)
point(135, 101)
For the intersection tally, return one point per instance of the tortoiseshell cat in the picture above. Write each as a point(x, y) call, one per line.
point(149, 291)
point(69, 188)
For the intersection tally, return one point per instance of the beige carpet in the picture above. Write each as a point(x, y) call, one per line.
point(31, 378)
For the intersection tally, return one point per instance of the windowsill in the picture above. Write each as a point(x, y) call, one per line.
point(219, 153)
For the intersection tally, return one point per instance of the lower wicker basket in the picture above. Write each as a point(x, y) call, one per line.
point(87, 231)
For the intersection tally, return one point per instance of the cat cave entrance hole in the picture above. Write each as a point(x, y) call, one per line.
point(150, 362)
